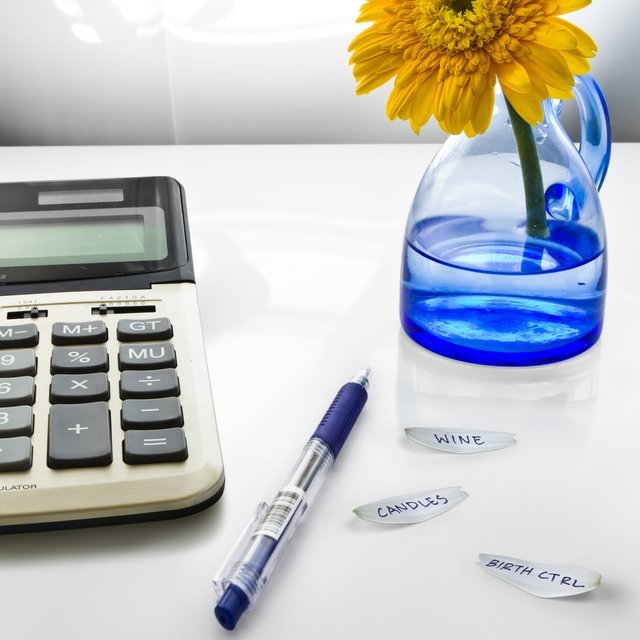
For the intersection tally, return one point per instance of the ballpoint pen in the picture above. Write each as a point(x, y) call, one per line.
point(253, 560)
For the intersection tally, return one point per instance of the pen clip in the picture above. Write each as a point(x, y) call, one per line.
point(230, 564)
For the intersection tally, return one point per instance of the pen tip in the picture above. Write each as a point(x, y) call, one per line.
point(363, 377)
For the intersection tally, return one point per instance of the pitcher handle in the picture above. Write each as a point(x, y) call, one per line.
point(595, 131)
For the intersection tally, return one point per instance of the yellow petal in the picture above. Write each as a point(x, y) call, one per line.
point(548, 75)
point(369, 83)
point(422, 104)
point(514, 76)
point(371, 11)
point(555, 36)
point(368, 35)
point(528, 108)
point(370, 66)
point(466, 105)
point(576, 63)
point(549, 65)
point(451, 123)
point(586, 45)
point(371, 48)
point(478, 81)
point(481, 117)
point(398, 98)
point(469, 130)
point(451, 93)
point(407, 73)
point(568, 6)
point(439, 107)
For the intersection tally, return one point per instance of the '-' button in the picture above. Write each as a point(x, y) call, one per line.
point(159, 413)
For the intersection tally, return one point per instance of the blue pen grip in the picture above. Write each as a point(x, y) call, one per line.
point(340, 417)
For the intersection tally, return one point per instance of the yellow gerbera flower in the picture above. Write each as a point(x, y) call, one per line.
point(447, 54)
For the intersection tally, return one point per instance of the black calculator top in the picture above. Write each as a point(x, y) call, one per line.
point(118, 233)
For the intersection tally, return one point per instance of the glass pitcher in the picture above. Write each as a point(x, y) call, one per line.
point(475, 286)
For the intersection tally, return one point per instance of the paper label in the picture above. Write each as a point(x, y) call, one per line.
point(411, 508)
point(542, 580)
point(280, 512)
point(460, 440)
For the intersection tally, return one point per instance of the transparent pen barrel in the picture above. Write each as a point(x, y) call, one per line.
point(254, 559)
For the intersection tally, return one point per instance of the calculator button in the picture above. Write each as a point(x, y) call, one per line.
point(16, 391)
point(147, 356)
point(84, 387)
point(152, 329)
point(16, 421)
point(160, 413)
point(18, 335)
point(79, 436)
point(18, 363)
point(158, 445)
point(149, 384)
point(79, 332)
point(81, 359)
point(16, 454)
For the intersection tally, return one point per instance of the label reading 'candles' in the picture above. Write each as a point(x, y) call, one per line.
point(542, 580)
point(411, 508)
point(460, 440)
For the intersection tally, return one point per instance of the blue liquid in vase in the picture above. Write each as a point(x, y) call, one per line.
point(499, 297)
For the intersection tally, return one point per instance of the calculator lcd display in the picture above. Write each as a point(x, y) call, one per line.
point(82, 237)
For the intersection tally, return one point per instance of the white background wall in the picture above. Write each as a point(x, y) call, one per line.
point(228, 71)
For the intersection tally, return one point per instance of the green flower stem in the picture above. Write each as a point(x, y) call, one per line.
point(531, 175)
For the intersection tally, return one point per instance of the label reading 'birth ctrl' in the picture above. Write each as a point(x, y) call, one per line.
point(542, 580)
point(411, 508)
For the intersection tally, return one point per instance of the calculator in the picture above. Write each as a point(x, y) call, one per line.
point(106, 412)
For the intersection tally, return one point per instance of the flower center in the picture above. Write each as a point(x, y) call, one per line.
point(460, 6)
point(449, 26)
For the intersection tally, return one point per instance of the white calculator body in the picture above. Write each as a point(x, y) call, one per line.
point(105, 403)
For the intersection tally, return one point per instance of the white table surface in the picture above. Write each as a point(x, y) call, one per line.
point(297, 252)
